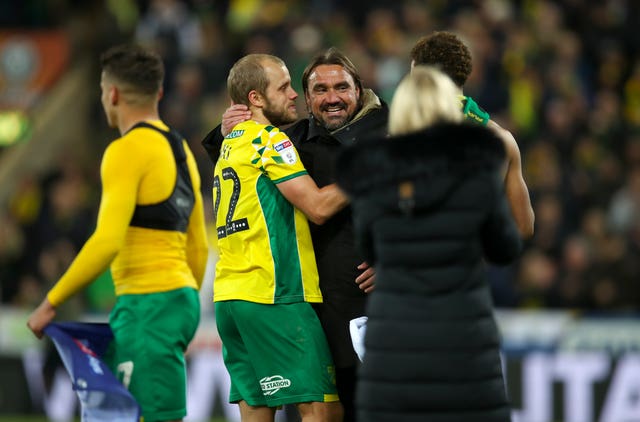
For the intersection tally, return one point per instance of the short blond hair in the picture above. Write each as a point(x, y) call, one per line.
point(424, 97)
point(248, 74)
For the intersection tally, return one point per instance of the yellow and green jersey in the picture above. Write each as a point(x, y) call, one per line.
point(140, 169)
point(266, 254)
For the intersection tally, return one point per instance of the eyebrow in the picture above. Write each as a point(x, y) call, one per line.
point(339, 84)
point(284, 84)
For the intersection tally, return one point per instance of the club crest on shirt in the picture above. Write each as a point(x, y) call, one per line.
point(286, 151)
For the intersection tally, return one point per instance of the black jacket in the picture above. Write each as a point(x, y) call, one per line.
point(429, 209)
point(333, 242)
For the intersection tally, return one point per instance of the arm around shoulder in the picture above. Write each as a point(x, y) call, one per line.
point(318, 204)
point(212, 143)
point(236, 113)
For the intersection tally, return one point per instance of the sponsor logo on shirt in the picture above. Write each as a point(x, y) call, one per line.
point(286, 151)
point(283, 145)
point(273, 384)
point(234, 134)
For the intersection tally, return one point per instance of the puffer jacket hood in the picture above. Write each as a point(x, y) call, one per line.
point(441, 153)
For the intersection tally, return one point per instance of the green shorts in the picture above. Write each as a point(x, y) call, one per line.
point(151, 333)
point(275, 354)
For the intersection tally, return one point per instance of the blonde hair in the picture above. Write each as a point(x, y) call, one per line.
point(248, 74)
point(424, 97)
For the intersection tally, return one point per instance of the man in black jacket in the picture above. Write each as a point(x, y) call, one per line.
point(341, 113)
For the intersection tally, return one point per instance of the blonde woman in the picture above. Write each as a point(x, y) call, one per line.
point(429, 210)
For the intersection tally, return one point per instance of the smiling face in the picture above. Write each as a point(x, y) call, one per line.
point(332, 97)
point(279, 100)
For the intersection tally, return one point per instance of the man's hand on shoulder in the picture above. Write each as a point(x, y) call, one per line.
point(236, 113)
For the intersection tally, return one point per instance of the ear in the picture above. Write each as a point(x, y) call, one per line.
point(255, 98)
point(160, 93)
point(114, 95)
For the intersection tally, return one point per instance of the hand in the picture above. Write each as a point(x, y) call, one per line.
point(41, 317)
point(236, 113)
point(365, 281)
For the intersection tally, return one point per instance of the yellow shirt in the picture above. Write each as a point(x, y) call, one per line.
point(266, 254)
point(139, 168)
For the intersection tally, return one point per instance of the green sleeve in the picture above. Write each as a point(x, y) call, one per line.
point(473, 112)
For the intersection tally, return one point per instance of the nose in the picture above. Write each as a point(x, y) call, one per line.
point(293, 94)
point(331, 96)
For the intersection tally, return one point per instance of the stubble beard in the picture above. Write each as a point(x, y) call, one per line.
point(279, 118)
point(334, 124)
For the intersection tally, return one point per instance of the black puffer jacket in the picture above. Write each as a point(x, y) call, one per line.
point(429, 208)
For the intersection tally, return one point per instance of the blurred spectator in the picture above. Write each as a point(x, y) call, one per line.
point(570, 290)
point(536, 277)
point(55, 218)
point(184, 99)
point(624, 209)
point(11, 249)
point(171, 29)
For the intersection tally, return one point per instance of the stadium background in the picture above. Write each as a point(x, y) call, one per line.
point(563, 76)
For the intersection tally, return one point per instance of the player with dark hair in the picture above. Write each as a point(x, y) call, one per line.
point(446, 51)
point(151, 231)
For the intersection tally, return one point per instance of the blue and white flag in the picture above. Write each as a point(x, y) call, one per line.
point(81, 346)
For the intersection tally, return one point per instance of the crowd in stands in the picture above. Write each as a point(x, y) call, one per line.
point(563, 76)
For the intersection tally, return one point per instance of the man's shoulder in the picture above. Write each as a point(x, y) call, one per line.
point(373, 125)
point(298, 131)
point(377, 118)
point(138, 135)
